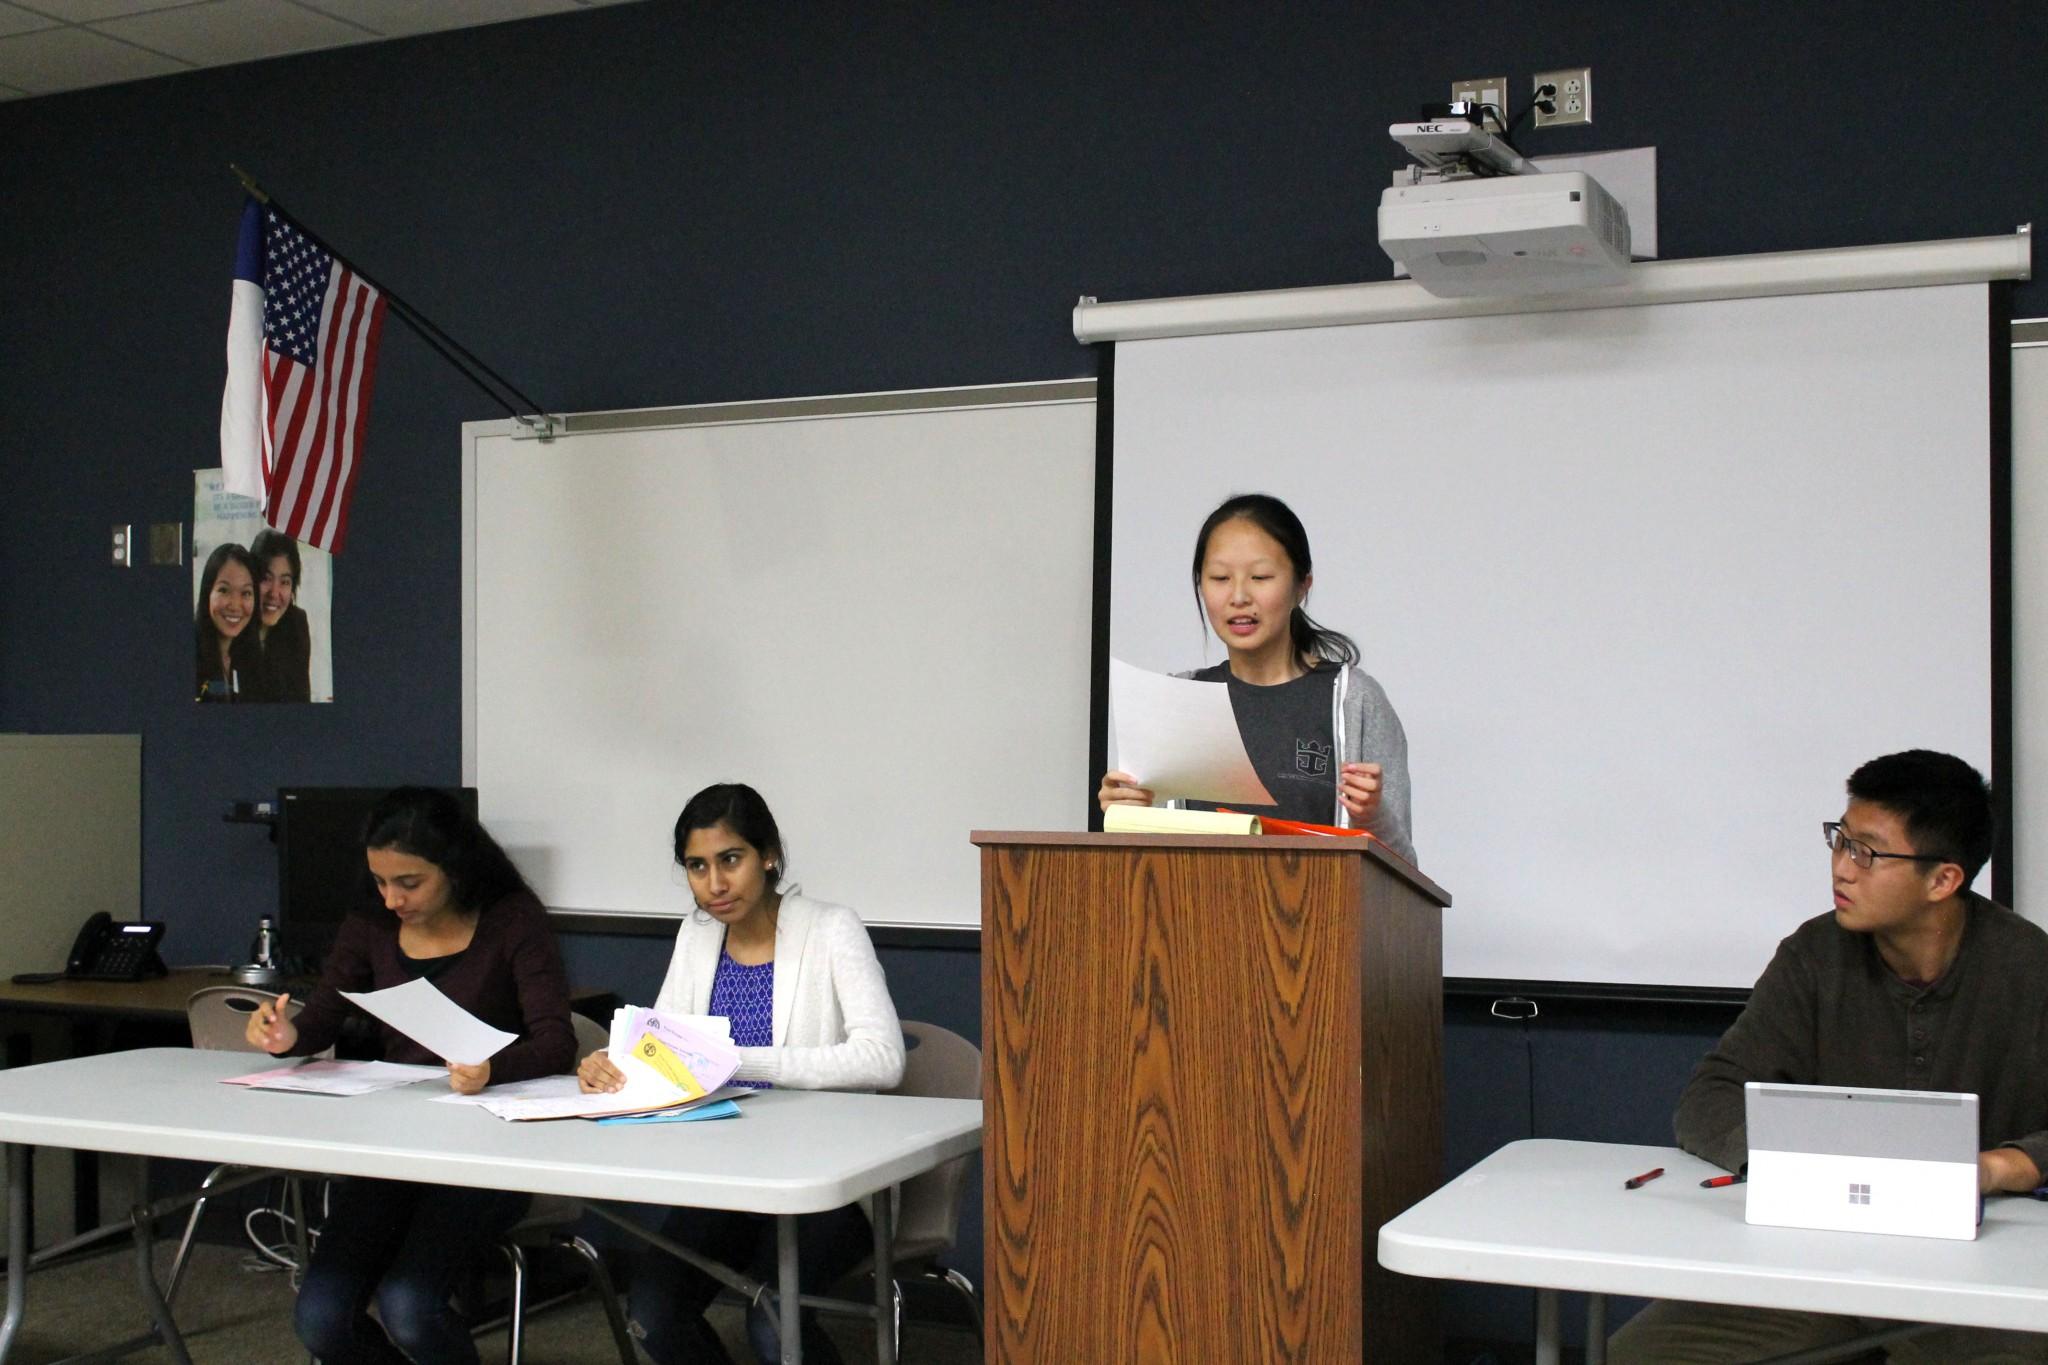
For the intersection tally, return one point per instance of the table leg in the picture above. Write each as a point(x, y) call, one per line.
point(1596, 1329)
point(17, 1244)
point(788, 1289)
point(145, 1273)
point(21, 1052)
point(1548, 1351)
point(88, 1039)
point(885, 1276)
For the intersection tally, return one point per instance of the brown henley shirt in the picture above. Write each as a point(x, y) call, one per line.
point(1827, 1011)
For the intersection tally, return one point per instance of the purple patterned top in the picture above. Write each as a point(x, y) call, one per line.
point(746, 996)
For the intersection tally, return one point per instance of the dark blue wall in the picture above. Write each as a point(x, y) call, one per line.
point(662, 203)
point(667, 203)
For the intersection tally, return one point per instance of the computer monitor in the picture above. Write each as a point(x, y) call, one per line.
point(321, 876)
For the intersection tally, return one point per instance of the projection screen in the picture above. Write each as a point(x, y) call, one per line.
point(1643, 583)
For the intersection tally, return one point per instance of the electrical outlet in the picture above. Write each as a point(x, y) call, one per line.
point(1491, 90)
point(124, 544)
point(1572, 96)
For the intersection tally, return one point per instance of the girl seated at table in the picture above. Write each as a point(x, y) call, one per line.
point(463, 918)
point(827, 1024)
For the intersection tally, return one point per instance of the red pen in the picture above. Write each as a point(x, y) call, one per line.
point(1645, 1178)
point(1720, 1182)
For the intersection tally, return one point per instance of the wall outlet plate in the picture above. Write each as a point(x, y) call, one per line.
point(1573, 99)
point(1491, 90)
point(124, 543)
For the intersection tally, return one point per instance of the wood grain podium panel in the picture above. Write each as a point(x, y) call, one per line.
point(1214, 1068)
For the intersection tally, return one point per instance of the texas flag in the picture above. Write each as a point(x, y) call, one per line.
point(302, 358)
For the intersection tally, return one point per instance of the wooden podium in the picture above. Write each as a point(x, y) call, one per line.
point(1214, 1068)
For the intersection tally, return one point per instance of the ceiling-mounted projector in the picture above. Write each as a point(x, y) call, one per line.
point(1475, 217)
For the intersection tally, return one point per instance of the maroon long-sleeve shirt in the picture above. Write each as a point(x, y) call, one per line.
point(510, 976)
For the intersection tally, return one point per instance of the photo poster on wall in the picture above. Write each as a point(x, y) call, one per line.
point(262, 604)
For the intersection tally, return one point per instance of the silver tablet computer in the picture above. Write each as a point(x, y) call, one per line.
point(1897, 1161)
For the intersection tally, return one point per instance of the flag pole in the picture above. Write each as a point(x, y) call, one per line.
point(543, 423)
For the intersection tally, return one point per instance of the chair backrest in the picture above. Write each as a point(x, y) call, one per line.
point(938, 1063)
point(219, 1016)
point(591, 1036)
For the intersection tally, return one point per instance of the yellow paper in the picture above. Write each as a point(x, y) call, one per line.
point(663, 1059)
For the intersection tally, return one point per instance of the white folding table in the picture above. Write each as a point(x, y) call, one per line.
point(1554, 1216)
point(792, 1152)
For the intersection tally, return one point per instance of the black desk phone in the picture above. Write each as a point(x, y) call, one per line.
point(107, 951)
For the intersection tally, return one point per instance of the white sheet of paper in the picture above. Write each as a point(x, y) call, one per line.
point(539, 1088)
point(434, 1021)
point(1179, 737)
point(339, 1078)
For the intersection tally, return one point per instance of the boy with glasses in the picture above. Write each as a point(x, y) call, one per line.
point(1912, 982)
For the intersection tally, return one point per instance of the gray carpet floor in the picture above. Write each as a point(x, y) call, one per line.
point(232, 1313)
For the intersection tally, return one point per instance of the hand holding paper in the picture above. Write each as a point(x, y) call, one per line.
point(468, 1080)
point(1179, 737)
point(652, 1061)
point(675, 1051)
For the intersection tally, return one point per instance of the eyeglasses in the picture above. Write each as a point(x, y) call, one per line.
point(1862, 854)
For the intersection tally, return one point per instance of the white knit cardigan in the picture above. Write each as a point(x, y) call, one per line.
point(835, 1027)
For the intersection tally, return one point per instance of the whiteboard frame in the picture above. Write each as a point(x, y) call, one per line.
point(1049, 393)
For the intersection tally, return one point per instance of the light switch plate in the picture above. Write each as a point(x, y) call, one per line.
point(1491, 90)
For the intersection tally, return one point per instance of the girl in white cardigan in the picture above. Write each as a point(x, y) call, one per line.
point(799, 980)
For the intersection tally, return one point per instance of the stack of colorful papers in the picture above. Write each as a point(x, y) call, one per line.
point(669, 1061)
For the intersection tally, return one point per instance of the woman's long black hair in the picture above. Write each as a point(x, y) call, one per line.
point(433, 825)
point(1311, 641)
point(207, 638)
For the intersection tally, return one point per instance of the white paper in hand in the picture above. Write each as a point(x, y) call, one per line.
point(434, 1021)
point(1179, 737)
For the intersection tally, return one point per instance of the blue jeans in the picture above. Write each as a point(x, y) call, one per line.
point(402, 1244)
point(668, 1296)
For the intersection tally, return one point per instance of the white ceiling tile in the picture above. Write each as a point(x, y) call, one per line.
point(15, 19)
point(223, 31)
point(73, 58)
point(38, 56)
point(400, 18)
point(85, 11)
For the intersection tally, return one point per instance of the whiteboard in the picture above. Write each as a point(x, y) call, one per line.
point(874, 609)
point(1644, 584)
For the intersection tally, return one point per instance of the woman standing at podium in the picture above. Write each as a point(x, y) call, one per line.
point(463, 918)
point(1319, 729)
point(799, 980)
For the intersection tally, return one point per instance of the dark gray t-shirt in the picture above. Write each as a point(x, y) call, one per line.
point(1286, 730)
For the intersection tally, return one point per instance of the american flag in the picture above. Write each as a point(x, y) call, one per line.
point(302, 358)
